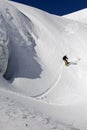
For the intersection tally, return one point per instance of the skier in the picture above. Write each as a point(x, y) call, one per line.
point(65, 59)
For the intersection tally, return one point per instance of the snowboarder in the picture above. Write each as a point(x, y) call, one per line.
point(65, 59)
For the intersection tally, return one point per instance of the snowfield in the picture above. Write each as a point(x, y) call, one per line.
point(37, 90)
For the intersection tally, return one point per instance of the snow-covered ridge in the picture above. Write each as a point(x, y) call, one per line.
point(80, 16)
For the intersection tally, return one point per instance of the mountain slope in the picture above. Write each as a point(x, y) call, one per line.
point(66, 37)
point(37, 43)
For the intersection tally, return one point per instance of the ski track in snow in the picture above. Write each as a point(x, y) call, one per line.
point(51, 87)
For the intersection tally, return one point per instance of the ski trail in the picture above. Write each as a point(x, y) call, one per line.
point(57, 79)
point(51, 87)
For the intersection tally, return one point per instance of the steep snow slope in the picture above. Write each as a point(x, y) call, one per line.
point(24, 64)
point(66, 37)
point(37, 43)
point(80, 16)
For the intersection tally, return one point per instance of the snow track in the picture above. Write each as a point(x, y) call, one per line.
point(52, 86)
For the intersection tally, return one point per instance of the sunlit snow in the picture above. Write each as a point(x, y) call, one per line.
point(37, 90)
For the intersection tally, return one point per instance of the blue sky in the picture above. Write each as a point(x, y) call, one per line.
point(58, 7)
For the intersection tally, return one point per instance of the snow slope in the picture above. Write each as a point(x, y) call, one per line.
point(68, 39)
point(22, 113)
point(80, 16)
point(37, 43)
point(4, 54)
